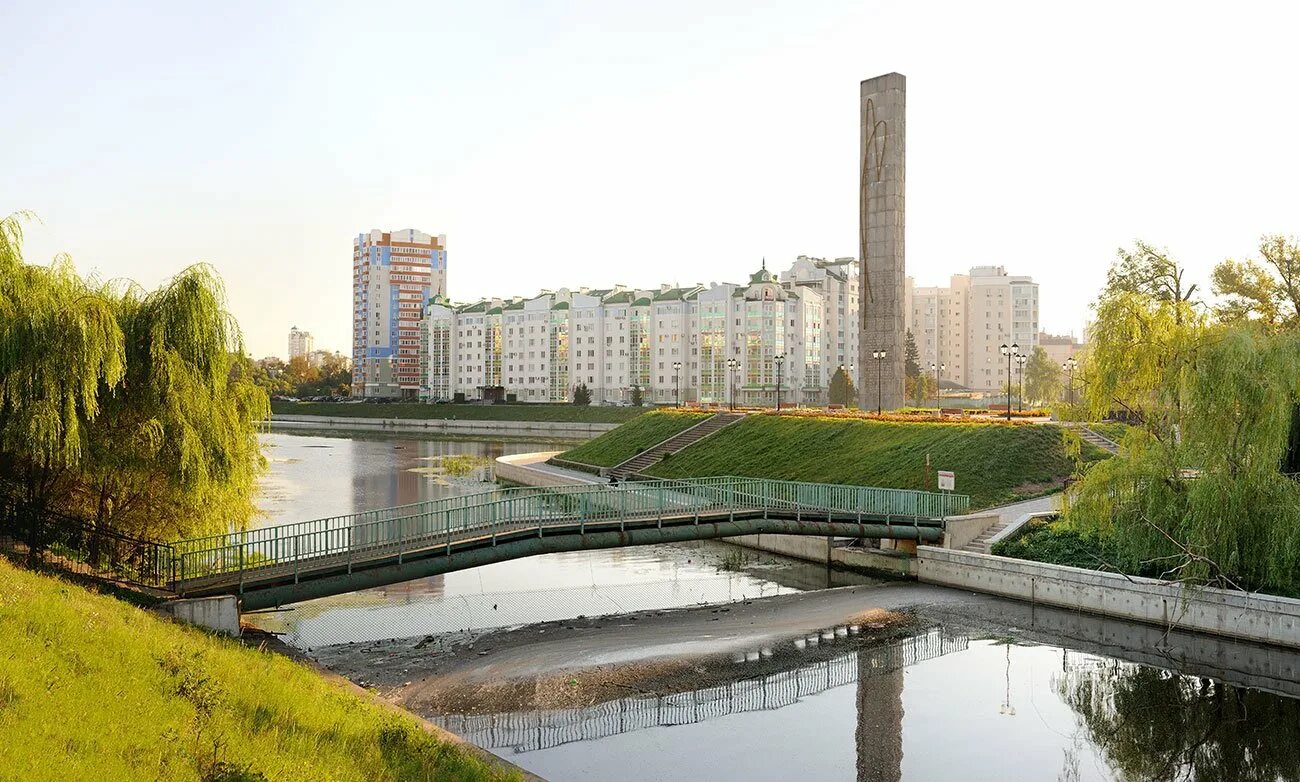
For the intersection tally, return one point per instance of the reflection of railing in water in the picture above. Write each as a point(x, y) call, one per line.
point(529, 731)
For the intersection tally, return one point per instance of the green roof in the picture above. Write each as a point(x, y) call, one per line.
point(622, 297)
point(476, 307)
point(563, 305)
point(641, 302)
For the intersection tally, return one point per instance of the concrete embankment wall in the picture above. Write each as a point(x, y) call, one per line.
point(1250, 617)
point(219, 614)
point(813, 549)
point(528, 429)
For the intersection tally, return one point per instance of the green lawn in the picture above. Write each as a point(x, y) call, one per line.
point(538, 412)
point(92, 688)
point(995, 463)
point(619, 445)
point(1112, 431)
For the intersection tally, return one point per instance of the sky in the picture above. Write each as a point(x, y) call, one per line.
point(593, 143)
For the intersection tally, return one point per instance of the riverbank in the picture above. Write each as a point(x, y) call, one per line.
point(94, 688)
point(440, 427)
point(553, 413)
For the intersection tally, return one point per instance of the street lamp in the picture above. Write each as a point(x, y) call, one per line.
point(779, 361)
point(1069, 366)
point(677, 378)
point(731, 381)
point(938, 393)
point(1020, 370)
point(1009, 352)
point(879, 356)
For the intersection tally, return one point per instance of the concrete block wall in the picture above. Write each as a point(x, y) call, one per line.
point(218, 614)
point(1245, 616)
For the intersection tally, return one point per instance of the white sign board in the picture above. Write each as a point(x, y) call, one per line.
point(947, 480)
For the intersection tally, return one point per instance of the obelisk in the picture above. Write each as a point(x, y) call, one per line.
point(880, 242)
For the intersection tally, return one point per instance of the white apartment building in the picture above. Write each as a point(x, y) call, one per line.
point(301, 343)
point(672, 342)
point(963, 326)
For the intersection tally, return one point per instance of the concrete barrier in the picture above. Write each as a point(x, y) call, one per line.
point(532, 429)
point(821, 551)
point(219, 614)
point(1246, 616)
point(960, 530)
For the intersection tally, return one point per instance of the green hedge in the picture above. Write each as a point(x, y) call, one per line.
point(560, 413)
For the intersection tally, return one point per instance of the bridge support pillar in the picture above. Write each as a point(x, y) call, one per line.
point(219, 614)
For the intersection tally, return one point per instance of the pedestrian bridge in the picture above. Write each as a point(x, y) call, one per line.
point(273, 566)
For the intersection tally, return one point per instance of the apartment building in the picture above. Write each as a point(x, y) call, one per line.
point(301, 343)
point(692, 343)
point(394, 276)
point(964, 325)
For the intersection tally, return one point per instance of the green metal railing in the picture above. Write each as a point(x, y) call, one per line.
point(487, 514)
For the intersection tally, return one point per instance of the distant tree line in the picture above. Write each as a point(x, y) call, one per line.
point(330, 375)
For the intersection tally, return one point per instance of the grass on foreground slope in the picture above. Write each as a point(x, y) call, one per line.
point(619, 445)
point(561, 413)
point(995, 463)
point(93, 688)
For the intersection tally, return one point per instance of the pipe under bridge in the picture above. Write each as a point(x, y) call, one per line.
point(288, 563)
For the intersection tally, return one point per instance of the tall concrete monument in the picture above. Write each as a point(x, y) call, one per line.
point(880, 242)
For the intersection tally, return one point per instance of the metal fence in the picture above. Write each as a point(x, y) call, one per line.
point(534, 730)
point(511, 509)
point(71, 545)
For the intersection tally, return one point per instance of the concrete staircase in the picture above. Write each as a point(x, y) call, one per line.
point(1098, 440)
point(677, 442)
point(981, 544)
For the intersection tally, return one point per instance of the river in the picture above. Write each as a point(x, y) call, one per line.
point(969, 687)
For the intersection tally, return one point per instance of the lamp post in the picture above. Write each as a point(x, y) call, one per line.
point(1009, 352)
point(731, 381)
point(1069, 366)
point(779, 361)
point(879, 356)
point(938, 393)
point(677, 378)
point(1020, 370)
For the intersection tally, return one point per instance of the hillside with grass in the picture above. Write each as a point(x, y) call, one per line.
point(618, 445)
point(92, 688)
point(995, 463)
point(558, 413)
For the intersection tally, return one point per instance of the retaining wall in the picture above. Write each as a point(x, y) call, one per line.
point(450, 426)
point(820, 550)
point(1251, 617)
point(219, 614)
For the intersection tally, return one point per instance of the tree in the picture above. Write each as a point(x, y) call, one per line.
point(920, 389)
point(638, 396)
point(581, 394)
point(911, 357)
point(842, 391)
point(1150, 272)
point(121, 407)
point(1042, 377)
point(1267, 292)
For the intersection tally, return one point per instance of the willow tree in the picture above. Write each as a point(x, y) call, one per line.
point(1196, 493)
point(176, 449)
point(121, 406)
point(60, 346)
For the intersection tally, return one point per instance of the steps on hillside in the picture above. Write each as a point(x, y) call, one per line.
point(981, 544)
point(677, 442)
point(1102, 442)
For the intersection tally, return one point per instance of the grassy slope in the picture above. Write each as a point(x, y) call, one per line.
point(538, 412)
point(995, 463)
point(621, 444)
point(93, 688)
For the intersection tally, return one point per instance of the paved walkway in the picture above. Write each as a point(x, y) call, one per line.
point(1009, 515)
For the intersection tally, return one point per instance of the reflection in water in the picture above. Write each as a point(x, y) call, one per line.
point(935, 707)
point(1156, 725)
point(877, 670)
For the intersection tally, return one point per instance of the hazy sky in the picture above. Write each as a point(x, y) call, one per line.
point(592, 143)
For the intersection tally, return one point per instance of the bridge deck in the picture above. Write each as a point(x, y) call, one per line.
point(355, 551)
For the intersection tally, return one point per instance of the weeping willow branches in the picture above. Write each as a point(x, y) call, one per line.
point(1197, 492)
point(120, 405)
